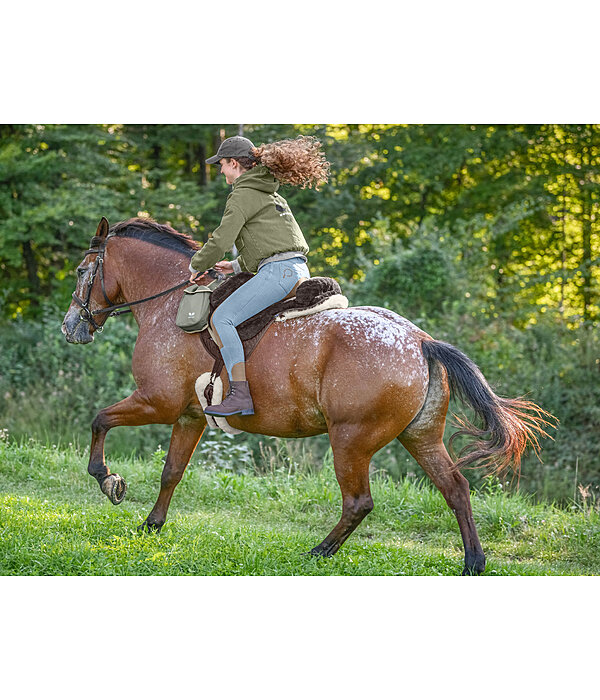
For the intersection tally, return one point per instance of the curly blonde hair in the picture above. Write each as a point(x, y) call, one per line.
point(296, 161)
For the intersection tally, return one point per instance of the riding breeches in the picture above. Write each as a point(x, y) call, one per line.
point(273, 282)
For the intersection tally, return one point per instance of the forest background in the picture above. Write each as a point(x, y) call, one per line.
point(486, 236)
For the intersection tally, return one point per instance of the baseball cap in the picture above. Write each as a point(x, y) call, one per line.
point(233, 147)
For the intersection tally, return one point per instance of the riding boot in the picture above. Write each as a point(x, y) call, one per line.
point(238, 400)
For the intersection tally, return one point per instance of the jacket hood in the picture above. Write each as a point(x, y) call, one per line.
point(258, 178)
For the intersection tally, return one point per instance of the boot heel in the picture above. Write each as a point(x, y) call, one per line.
point(248, 413)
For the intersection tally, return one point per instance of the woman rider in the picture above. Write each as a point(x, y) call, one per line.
point(270, 244)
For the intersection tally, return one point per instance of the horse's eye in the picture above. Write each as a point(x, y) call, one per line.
point(81, 271)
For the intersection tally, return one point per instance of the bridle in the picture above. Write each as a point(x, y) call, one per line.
point(86, 314)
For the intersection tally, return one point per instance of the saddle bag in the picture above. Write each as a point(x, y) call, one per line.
point(194, 309)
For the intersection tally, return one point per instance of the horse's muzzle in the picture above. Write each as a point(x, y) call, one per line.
point(75, 329)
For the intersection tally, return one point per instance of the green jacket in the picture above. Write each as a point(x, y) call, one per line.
point(257, 220)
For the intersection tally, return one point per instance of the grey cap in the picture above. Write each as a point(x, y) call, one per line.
point(233, 147)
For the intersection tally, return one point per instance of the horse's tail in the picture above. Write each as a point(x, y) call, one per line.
point(509, 425)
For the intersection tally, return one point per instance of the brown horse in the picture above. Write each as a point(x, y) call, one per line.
point(364, 375)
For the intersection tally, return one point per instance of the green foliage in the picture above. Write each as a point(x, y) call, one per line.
point(515, 206)
point(418, 281)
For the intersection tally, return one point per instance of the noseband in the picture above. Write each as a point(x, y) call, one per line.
point(86, 314)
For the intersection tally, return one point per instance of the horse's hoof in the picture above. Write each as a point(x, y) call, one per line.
point(115, 488)
point(474, 565)
point(149, 527)
point(473, 570)
point(319, 551)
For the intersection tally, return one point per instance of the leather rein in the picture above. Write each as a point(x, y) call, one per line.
point(86, 314)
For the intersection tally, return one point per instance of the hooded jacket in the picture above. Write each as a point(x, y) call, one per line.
point(257, 219)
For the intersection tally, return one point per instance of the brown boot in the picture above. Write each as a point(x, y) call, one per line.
point(238, 400)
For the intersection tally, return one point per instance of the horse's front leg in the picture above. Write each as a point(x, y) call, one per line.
point(134, 410)
point(186, 434)
point(352, 446)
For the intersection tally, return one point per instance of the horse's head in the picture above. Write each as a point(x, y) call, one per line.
point(94, 291)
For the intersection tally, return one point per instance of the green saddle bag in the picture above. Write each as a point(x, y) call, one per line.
point(194, 308)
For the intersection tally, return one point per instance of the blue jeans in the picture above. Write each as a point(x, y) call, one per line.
point(270, 284)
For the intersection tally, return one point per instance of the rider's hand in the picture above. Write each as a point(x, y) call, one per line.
point(224, 267)
point(195, 276)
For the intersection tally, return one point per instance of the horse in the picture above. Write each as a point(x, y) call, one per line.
point(364, 375)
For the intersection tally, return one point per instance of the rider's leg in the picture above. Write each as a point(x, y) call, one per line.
point(272, 283)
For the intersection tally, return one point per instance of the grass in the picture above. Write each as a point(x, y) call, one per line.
point(55, 521)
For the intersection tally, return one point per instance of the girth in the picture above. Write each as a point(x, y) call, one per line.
point(312, 292)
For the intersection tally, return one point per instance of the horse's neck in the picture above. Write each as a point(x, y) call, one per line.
point(146, 270)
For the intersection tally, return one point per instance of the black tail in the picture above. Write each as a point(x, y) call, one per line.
point(509, 425)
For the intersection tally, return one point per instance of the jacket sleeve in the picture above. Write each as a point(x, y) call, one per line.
point(221, 240)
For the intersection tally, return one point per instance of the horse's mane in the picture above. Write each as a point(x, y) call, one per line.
point(159, 234)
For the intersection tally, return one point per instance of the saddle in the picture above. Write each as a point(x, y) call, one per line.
point(312, 295)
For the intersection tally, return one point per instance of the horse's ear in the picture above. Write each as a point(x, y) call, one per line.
point(102, 230)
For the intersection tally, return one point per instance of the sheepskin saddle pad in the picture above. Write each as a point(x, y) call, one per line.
point(313, 295)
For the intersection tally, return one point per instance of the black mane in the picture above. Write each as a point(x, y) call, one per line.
point(150, 231)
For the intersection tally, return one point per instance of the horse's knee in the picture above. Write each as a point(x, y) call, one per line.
point(99, 424)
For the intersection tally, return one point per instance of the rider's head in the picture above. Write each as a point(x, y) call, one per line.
point(232, 168)
point(235, 156)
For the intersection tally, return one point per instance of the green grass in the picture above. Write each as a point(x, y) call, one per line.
point(55, 521)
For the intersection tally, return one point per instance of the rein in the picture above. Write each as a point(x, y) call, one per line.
point(86, 314)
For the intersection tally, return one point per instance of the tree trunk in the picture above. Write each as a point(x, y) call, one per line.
point(156, 152)
point(32, 273)
point(586, 258)
point(217, 137)
point(586, 231)
point(198, 155)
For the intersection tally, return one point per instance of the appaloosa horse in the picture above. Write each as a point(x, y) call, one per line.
point(364, 375)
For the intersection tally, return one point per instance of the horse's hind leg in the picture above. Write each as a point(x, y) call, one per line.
point(423, 439)
point(185, 436)
point(436, 463)
point(351, 458)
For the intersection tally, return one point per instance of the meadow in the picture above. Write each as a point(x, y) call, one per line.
point(261, 522)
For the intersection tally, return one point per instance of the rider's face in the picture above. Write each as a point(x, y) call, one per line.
point(231, 169)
